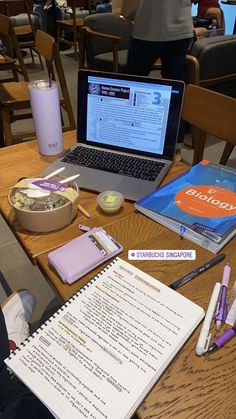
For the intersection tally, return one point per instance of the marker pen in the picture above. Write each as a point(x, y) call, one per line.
point(223, 339)
point(222, 309)
point(204, 337)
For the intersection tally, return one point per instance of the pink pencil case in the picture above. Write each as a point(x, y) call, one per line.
point(81, 255)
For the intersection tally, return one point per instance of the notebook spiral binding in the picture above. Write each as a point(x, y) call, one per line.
point(74, 297)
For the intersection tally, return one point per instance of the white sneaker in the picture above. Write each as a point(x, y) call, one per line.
point(17, 311)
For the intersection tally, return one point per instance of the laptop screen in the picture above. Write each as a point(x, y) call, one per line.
point(128, 113)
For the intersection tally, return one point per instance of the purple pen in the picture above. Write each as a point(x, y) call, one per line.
point(222, 307)
point(223, 339)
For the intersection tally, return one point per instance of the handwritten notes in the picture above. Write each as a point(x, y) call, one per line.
point(105, 348)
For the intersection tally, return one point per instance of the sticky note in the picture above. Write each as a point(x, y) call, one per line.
point(110, 199)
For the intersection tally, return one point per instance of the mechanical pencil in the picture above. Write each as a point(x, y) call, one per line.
point(205, 336)
point(223, 339)
point(196, 272)
point(222, 307)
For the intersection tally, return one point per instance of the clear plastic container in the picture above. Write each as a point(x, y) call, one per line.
point(110, 201)
point(43, 205)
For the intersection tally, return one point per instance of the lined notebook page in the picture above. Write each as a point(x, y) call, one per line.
point(100, 354)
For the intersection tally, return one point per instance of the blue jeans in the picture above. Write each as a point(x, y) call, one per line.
point(143, 54)
point(103, 8)
point(39, 11)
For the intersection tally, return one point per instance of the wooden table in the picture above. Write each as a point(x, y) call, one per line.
point(8, 63)
point(191, 387)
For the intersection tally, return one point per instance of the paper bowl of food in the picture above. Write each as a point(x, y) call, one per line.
point(44, 205)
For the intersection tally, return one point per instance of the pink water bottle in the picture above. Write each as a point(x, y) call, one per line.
point(45, 105)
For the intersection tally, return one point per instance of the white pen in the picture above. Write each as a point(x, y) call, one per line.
point(205, 336)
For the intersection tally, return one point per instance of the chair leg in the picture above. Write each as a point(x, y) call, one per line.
point(226, 153)
point(6, 126)
point(62, 119)
point(75, 43)
point(199, 139)
point(81, 48)
point(58, 36)
point(2, 142)
point(40, 60)
point(32, 55)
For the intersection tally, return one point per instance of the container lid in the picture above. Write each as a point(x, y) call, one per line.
point(110, 199)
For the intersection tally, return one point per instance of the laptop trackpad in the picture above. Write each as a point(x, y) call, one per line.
point(98, 180)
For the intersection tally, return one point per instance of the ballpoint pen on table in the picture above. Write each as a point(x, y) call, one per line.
point(196, 272)
point(222, 308)
point(204, 337)
point(223, 339)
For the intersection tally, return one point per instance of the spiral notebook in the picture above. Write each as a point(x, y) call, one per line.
point(103, 351)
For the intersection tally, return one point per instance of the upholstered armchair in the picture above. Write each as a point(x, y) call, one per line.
point(104, 42)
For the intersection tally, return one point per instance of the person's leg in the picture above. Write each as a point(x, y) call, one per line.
point(42, 15)
point(174, 67)
point(141, 56)
point(16, 400)
point(173, 59)
point(4, 346)
point(10, 388)
point(17, 311)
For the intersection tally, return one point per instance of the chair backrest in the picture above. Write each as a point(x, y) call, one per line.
point(47, 48)
point(109, 23)
point(85, 4)
point(209, 112)
point(8, 37)
point(211, 63)
point(14, 7)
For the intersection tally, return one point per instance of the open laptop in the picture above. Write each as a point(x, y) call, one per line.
point(127, 128)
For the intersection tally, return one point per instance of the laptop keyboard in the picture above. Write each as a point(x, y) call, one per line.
point(114, 163)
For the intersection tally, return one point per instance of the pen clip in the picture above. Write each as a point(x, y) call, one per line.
point(207, 343)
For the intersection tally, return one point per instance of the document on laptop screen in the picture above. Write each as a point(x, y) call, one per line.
point(127, 114)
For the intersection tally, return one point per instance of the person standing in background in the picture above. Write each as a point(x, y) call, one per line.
point(40, 8)
point(162, 29)
point(210, 9)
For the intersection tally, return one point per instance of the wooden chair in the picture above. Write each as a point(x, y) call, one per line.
point(25, 34)
point(14, 95)
point(211, 64)
point(213, 113)
point(8, 37)
point(72, 26)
